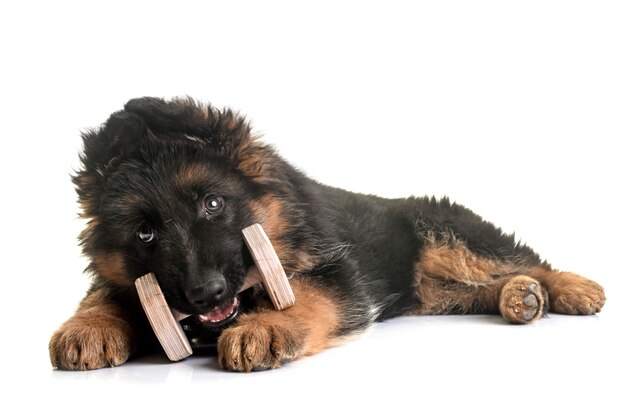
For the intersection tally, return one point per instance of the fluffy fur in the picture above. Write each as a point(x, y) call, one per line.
point(167, 187)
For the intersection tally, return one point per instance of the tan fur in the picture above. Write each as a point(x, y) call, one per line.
point(445, 296)
point(112, 268)
point(256, 161)
point(456, 262)
point(96, 336)
point(570, 293)
point(266, 338)
point(190, 175)
point(452, 279)
point(521, 300)
point(268, 212)
point(507, 296)
point(303, 261)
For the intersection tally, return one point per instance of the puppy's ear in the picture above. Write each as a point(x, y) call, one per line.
point(225, 131)
point(119, 137)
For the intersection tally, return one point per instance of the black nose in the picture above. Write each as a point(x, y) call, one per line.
point(208, 294)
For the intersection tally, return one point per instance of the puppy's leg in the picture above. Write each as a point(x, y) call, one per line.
point(98, 335)
point(570, 293)
point(519, 299)
point(267, 338)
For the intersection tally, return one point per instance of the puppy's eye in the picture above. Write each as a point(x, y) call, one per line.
point(213, 204)
point(146, 234)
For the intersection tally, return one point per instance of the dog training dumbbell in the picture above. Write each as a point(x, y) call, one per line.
point(165, 321)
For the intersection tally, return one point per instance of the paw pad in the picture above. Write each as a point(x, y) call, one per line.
point(521, 300)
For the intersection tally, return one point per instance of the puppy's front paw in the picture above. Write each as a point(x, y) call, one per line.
point(88, 342)
point(257, 344)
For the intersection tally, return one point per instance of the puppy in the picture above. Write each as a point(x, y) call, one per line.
point(167, 187)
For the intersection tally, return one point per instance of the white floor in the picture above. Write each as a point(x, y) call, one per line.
point(514, 109)
point(422, 366)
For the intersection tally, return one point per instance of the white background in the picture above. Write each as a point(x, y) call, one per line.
point(515, 109)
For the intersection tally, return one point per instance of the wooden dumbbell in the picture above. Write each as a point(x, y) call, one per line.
point(165, 321)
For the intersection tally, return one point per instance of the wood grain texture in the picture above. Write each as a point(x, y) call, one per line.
point(272, 272)
point(165, 326)
point(165, 321)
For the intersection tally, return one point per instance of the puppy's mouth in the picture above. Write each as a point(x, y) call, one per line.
point(220, 315)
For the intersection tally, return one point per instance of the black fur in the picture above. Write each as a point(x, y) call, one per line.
point(135, 175)
point(376, 240)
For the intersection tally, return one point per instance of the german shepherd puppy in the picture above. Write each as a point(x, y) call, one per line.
point(167, 187)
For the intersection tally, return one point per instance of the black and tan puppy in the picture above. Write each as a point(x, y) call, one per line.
point(167, 187)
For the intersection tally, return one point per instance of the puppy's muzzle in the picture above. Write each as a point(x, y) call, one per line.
point(208, 293)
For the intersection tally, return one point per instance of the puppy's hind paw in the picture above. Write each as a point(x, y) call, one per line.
point(522, 300)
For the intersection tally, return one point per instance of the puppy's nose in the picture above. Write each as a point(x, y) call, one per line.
point(210, 293)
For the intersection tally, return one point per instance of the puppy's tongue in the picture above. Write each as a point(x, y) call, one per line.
point(220, 313)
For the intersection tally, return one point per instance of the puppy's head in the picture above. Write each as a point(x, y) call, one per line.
point(166, 187)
